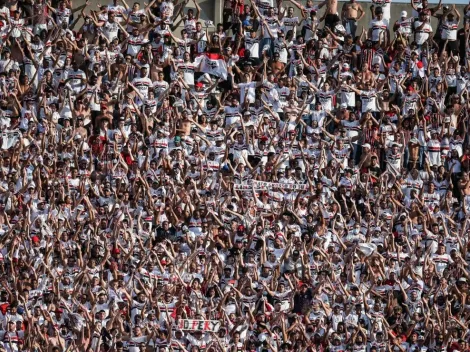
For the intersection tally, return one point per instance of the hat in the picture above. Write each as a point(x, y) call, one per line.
point(116, 251)
point(344, 106)
point(199, 84)
point(403, 14)
point(414, 140)
point(367, 145)
point(35, 239)
point(346, 65)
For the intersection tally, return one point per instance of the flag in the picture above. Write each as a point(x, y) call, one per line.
point(213, 64)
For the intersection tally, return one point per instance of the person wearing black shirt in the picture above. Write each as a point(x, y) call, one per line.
point(165, 232)
point(461, 37)
point(302, 299)
point(374, 168)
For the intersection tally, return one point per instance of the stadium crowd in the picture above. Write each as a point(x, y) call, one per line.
point(286, 180)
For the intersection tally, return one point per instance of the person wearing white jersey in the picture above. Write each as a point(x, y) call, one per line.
point(186, 69)
point(290, 22)
point(110, 28)
point(143, 83)
point(76, 78)
point(449, 30)
point(326, 95)
point(348, 96)
point(385, 5)
point(134, 14)
point(404, 25)
point(64, 12)
point(118, 10)
point(378, 28)
point(368, 97)
point(422, 29)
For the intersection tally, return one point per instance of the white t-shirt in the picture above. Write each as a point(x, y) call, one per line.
point(251, 91)
point(441, 261)
point(378, 29)
point(423, 34)
point(290, 24)
point(118, 11)
point(77, 79)
point(252, 45)
point(449, 30)
point(110, 30)
point(143, 85)
point(369, 100)
point(385, 5)
point(187, 69)
point(273, 25)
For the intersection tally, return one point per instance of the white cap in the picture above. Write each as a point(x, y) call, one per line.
point(345, 65)
point(367, 145)
point(344, 106)
point(404, 14)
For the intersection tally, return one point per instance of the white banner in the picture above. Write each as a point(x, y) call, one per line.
point(261, 185)
point(199, 325)
point(213, 64)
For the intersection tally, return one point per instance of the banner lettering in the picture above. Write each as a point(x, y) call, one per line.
point(199, 325)
point(261, 185)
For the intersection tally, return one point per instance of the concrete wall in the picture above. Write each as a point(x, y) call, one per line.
point(212, 10)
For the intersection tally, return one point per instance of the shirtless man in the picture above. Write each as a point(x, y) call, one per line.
point(464, 184)
point(365, 76)
point(277, 67)
point(331, 14)
point(306, 10)
point(351, 13)
point(413, 150)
